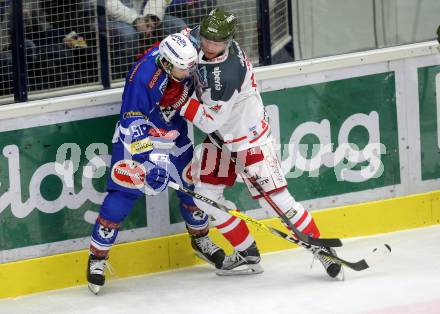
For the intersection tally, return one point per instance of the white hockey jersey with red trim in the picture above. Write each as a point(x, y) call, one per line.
point(228, 101)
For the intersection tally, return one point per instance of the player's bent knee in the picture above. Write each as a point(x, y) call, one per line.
point(214, 193)
point(117, 205)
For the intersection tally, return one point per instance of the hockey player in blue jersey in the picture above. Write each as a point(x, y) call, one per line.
point(151, 147)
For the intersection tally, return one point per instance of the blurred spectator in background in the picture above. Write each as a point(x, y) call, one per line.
point(191, 11)
point(68, 47)
point(134, 25)
point(5, 50)
point(6, 71)
point(57, 50)
point(61, 37)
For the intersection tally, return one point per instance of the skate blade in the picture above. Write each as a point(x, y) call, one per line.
point(94, 288)
point(248, 269)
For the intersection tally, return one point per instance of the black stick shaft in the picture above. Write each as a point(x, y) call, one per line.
point(358, 266)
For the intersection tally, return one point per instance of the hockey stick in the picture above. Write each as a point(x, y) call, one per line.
point(365, 263)
point(329, 242)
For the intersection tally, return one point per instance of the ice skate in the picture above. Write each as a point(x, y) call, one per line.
point(208, 250)
point(245, 262)
point(95, 273)
point(333, 269)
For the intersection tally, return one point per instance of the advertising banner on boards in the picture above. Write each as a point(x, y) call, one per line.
point(335, 137)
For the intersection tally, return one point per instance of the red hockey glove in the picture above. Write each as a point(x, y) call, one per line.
point(175, 95)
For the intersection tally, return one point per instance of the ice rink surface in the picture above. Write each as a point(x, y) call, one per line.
point(407, 281)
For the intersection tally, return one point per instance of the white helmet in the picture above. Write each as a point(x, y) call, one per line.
point(178, 50)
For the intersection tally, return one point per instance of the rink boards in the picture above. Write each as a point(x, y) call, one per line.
point(383, 102)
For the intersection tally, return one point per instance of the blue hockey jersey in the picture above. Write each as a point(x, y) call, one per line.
point(147, 135)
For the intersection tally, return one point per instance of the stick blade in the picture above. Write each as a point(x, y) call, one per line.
point(327, 242)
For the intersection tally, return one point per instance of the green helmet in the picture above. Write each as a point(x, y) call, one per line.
point(438, 34)
point(218, 25)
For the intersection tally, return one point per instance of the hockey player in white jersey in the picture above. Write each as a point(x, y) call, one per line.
point(229, 109)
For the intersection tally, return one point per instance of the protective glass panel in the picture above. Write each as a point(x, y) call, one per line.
point(331, 27)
